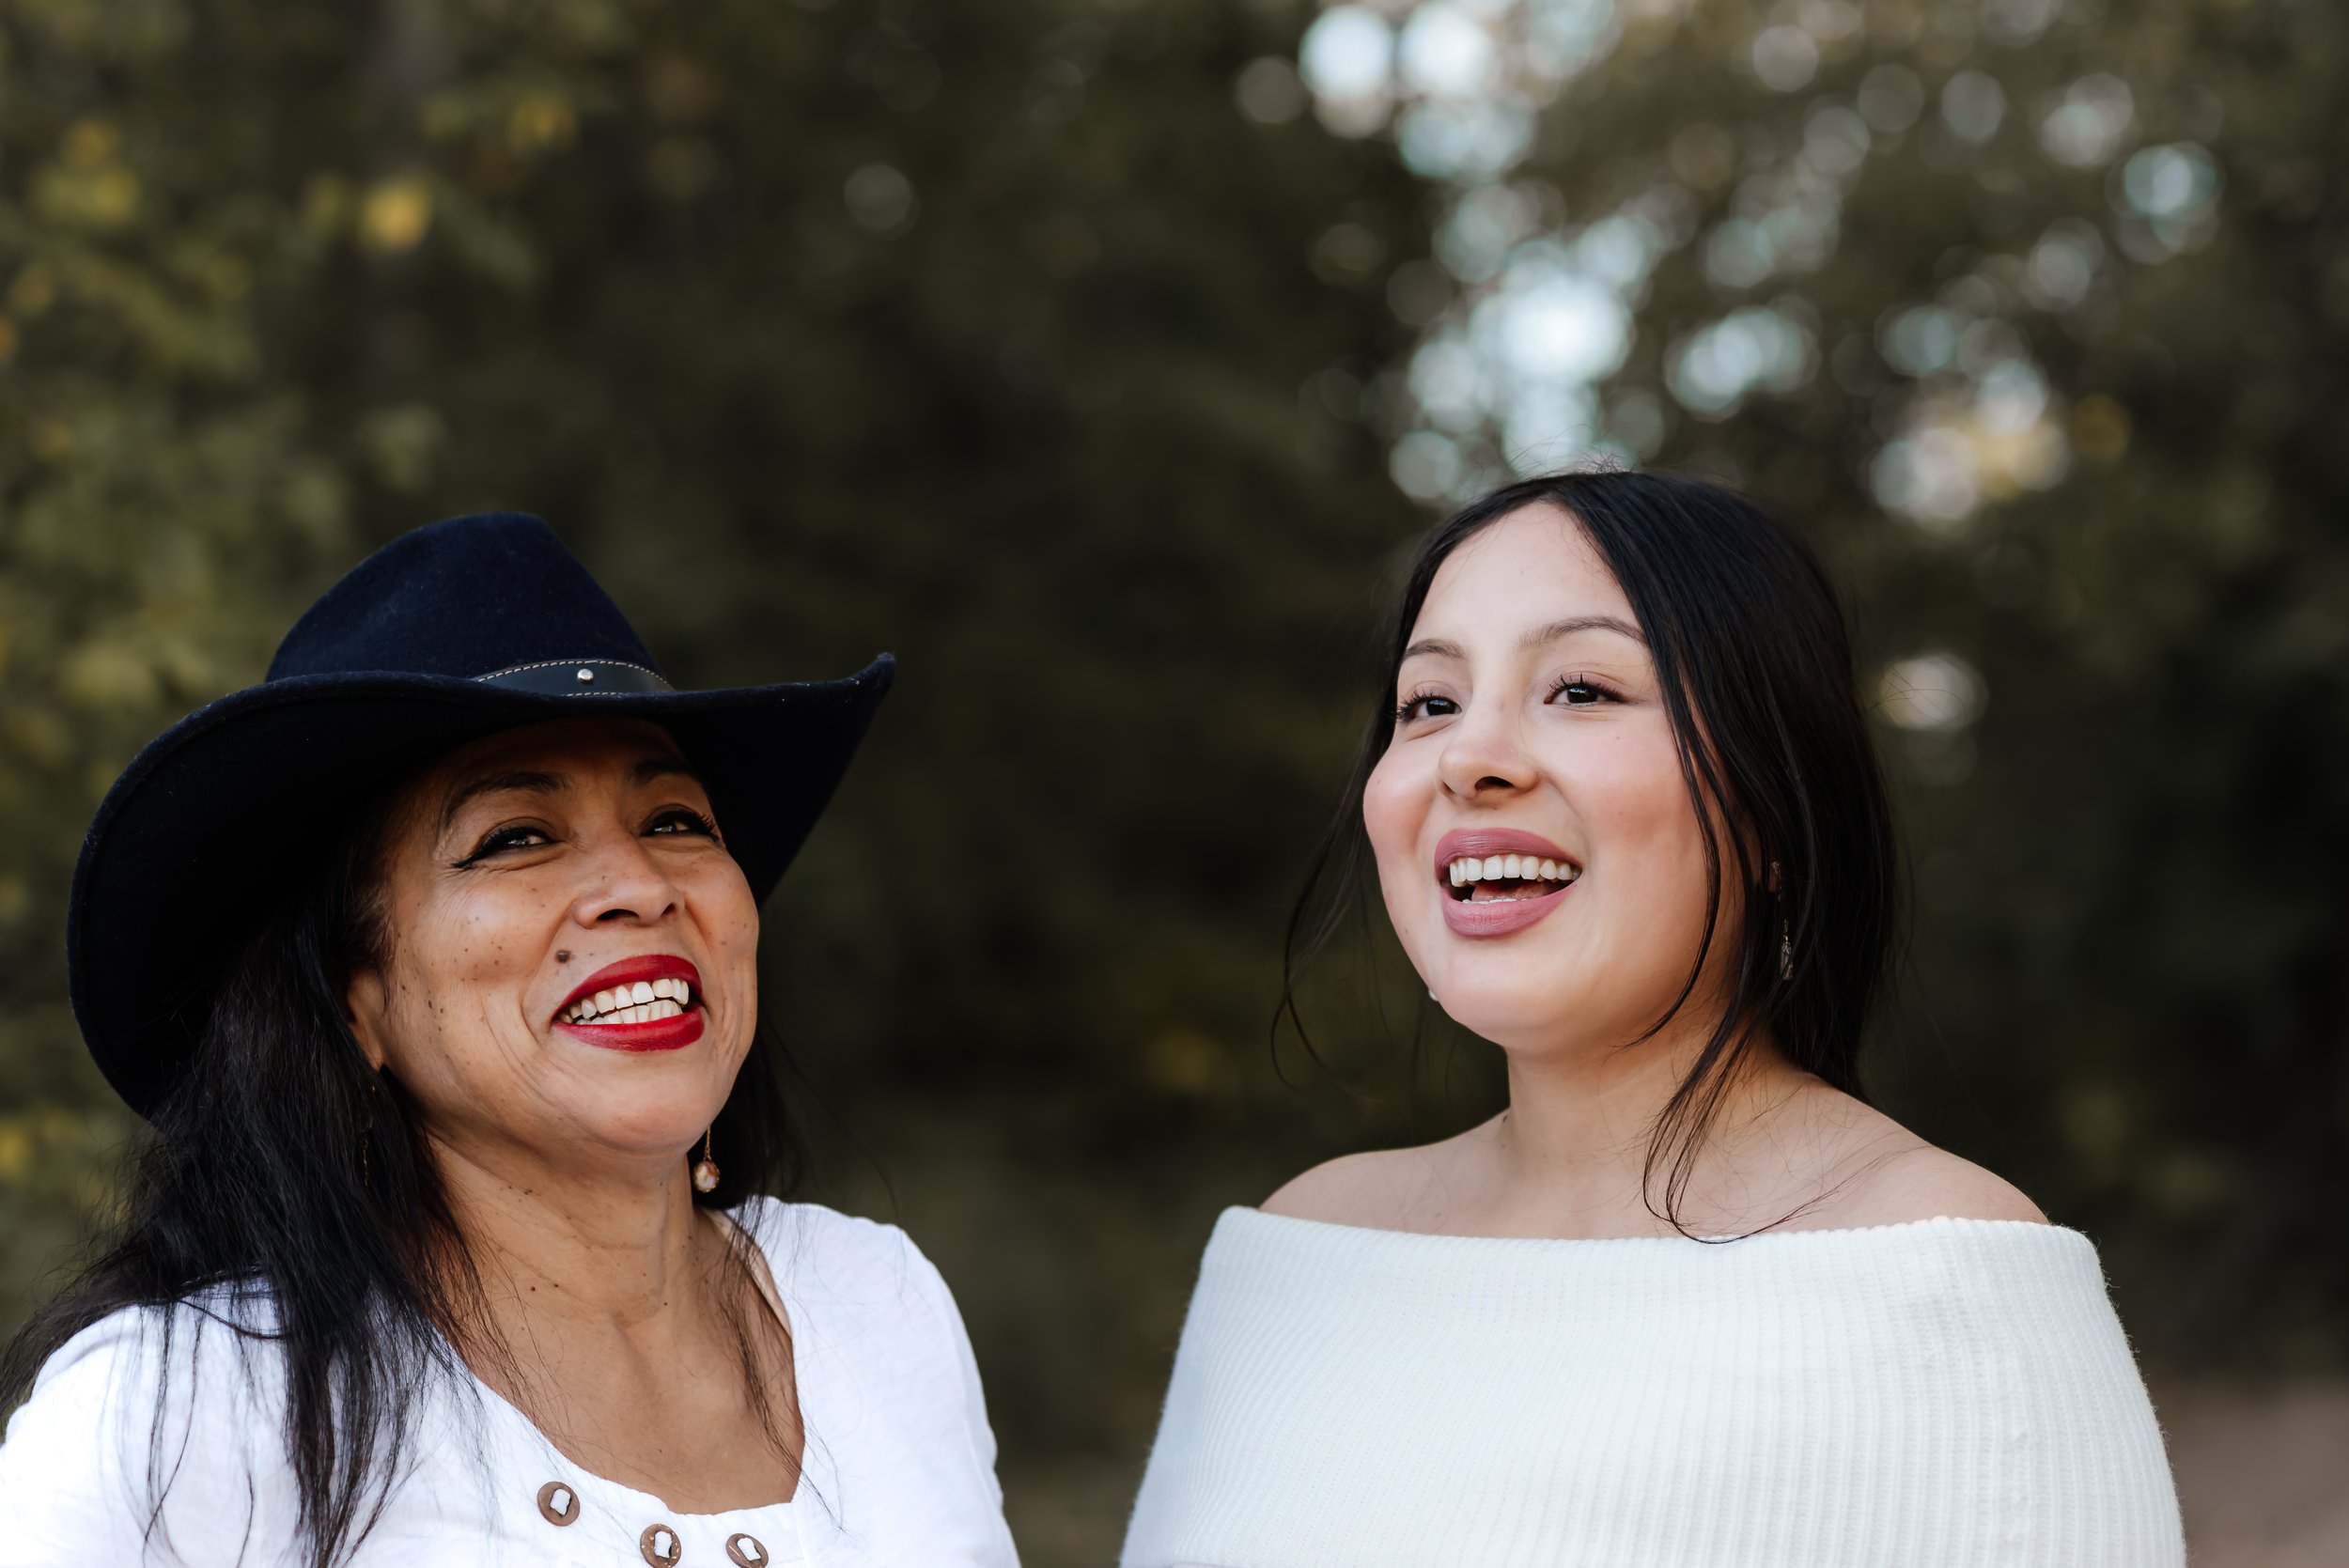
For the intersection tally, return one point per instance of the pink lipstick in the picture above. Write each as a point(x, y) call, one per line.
point(1523, 876)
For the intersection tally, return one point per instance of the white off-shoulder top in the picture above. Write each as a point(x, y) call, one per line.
point(1952, 1393)
point(899, 1469)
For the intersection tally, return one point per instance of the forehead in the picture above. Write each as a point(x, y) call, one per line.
point(1533, 566)
point(550, 756)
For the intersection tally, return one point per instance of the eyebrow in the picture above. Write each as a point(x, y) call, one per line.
point(653, 769)
point(517, 780)
point(539, 782)
point(1538, 638)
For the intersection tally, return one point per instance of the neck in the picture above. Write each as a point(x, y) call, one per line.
point(1572, 1150)
point(613, 1250)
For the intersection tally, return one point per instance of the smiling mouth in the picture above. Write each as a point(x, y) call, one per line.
point(1508, 879)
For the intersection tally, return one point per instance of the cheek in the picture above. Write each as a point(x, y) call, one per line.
point(727, 917)
point(1396, 800)
point(1395, 803)
point(468, 959)
point(1637, 806)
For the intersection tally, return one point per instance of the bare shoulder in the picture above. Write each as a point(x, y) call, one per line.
point(1377, 1189)
point(1921, 1181)
point(1351, 1190)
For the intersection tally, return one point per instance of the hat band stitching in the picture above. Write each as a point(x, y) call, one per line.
point(577, 664)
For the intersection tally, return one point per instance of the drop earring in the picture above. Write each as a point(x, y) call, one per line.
point(1785, 925)
point(366, 1130)
point(706, 1169)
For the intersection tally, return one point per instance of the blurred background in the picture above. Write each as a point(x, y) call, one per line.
point(1101, 358)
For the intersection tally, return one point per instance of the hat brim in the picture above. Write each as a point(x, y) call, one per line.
point(208, 828)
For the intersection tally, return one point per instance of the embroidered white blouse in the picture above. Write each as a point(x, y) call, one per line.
point(900, 1463)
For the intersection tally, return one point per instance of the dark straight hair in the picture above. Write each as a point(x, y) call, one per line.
point(285, 1193)
point(1755, 663)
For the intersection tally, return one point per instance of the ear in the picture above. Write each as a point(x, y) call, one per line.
point(364, 1003)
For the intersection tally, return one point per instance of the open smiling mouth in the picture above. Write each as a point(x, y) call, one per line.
point(1508, 879)
point(649, 1002)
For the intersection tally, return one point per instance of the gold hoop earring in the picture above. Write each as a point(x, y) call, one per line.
point(706, 1169)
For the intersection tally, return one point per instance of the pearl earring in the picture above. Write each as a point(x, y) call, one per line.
point(706, 1169)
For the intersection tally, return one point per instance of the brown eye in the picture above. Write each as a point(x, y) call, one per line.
point(499, 840)
point(1427, 706)
point(1576, 691)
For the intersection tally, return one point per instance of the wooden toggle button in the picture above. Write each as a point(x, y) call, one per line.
point(660, 1546)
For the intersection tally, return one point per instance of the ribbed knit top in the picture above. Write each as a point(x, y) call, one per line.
point(1950, 1392)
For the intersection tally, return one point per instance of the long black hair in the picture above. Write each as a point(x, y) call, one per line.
point(1754, 661)
point(285, 1191)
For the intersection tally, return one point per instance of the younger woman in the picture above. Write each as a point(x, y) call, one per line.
point(1689, 1299)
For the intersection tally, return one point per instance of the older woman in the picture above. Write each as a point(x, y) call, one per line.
point(1690, 1300)
point(432, 961)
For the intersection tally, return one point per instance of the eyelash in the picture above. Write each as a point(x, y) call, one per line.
point(701, 824)
point(1409, 707)
point(502, 839)
point(1406, 710)
point(1606, 693)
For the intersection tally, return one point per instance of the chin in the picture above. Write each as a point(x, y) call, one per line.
point(1511, 1022)
point(647, 1125)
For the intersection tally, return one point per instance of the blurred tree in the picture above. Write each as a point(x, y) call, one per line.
point(2033, 311)
point(162, 504)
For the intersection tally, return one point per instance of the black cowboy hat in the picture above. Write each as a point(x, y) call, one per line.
point(446, 634)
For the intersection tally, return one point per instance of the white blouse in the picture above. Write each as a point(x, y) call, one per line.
point(1953, 1393)
point(899, 1469)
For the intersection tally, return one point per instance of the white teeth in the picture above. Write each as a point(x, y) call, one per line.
point(661, 1007)
point(641, 1003)
point(1519, 868)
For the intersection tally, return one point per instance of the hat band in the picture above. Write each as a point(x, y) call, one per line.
point(571, 677)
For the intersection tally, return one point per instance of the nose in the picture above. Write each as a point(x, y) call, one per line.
point(623, 884)
point(1483, 758)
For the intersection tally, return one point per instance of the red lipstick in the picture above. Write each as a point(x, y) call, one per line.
point(672, 1034)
